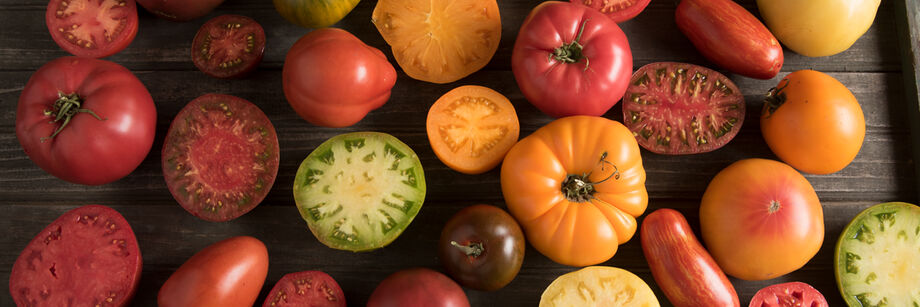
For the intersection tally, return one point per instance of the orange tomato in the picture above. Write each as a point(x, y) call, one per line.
point(471, 128)
point(761, 219)
point(439, 41)
point(576, 186)
point(813, 122)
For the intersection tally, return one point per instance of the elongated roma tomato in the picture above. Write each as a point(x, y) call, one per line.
point(228, 273)
point(681, 266)
point(728, 35)
point(576, 186)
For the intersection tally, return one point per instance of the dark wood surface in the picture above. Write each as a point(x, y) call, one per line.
point(30, 198)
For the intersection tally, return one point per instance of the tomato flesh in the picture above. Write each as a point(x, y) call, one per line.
point(790, 294)
point(228, 46)
point(677, 108)
point(220, 157)
point(598, 286)
point(617, 10)
point(307, 288)
point(87, 257)
point(92, 28)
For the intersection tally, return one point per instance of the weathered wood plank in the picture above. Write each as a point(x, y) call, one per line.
point(168, 236)
point(165, 45)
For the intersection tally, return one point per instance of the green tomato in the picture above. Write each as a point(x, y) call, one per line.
point(818, 27)
point(314, 13)
point(877, 258)
point(359, 191)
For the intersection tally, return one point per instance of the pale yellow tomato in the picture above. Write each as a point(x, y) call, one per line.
point(818, 27)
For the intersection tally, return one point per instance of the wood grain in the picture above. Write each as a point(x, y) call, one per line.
point(874, 69)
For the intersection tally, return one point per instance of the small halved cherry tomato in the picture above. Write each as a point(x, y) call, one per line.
point(228, 46)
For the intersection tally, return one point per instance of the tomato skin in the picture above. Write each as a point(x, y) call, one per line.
point(819, 27)
point(314, 13)
point(184, 10)
point(813, 122)
point(683, 269)
point(122, 39)
point(731, 37)
point(418, 287)
point(618, 15)
point(761, 219)
point(581, 230)
point(502, 247)
point(227, 273)
point(332, 79)
point(109, 90)
point(585, 87)
point(790, 294)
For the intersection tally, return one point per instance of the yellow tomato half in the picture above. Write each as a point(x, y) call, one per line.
point(818, 27)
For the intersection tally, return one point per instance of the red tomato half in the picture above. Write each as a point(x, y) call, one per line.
point(570, 59)
point(618, 10)
point(92, 28)
point(228, 46)
point(307, 288)
point(101, 123)
point(790, 294)
point(180, 10)
point(229, 273)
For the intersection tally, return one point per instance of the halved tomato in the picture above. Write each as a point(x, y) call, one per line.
point(439, 41)
point(598, 286)
point(618, 10)
point(92, 29)
point(228, 46)
point(471, 128)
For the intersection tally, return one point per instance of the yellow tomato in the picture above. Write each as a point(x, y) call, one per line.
point(576, 186)
point(818, 27)
point(599, 286)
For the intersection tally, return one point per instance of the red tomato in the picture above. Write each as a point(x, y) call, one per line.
point(418, 287)
point(570, 59)
point(92, 29)
point(307, 288)
point(228, 46)
point(332, 79)
point(183, 10)
point(100, 124)
point(728, 35)
point(761, 219)
point(618, 10)
point(228, 273)
point(790, 294)
point(680, 265)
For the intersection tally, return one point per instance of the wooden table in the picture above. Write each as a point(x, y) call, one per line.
point(31, 198)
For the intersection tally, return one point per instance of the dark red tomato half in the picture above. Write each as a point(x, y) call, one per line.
point(220, 157)
point(87, 257)
point(618, 10)
point(180, 10)
point(92, 28)
point(228, 46)
point(790, 294)
point(307, 288)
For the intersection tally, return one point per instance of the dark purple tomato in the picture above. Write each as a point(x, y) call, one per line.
point(482, 247)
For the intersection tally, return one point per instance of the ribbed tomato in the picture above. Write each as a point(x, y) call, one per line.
point(576, 186)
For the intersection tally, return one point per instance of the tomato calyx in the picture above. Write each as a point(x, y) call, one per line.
point(470, 249)
point(775, 98)
point(579, 188)
point(571, 52)
point(65, 107)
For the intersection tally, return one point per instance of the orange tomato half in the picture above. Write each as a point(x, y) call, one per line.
point(576, 186)
point(471, 128)
point(813, 122)
point(439, 41)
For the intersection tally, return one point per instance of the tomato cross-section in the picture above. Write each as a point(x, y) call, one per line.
point(92, 28)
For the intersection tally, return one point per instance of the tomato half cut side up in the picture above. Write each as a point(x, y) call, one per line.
point(618, 10)
point(307, 288)
point(790, 294)
point(88, 256)
point(92, 28)
point(220, 157)
point(228, 46)
point(677, 108)
point(471, 128)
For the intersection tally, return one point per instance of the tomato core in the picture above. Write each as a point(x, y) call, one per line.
point(64, 108)
point(774, 206)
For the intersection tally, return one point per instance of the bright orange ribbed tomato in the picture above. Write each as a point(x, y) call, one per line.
point(813, 122)
point(576, 186)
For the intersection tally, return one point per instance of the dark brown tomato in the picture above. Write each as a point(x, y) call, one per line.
point(790, 294)
point(307, 288)
point(92, 28)
point(228, 46)
point(418, 287)
point(731, 37)
point(180, 10)
point(618, 10)
point(482, 247)
point(677, 108)
point(87, 257)
point(220, 157)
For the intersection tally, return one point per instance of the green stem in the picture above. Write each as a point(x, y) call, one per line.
point(572, 52)
point(473, 250)
point(775, 98)
point(579, 188)
point(64, 108)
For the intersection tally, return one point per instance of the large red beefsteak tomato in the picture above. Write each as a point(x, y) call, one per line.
point(570, 59)
point(86, 121)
